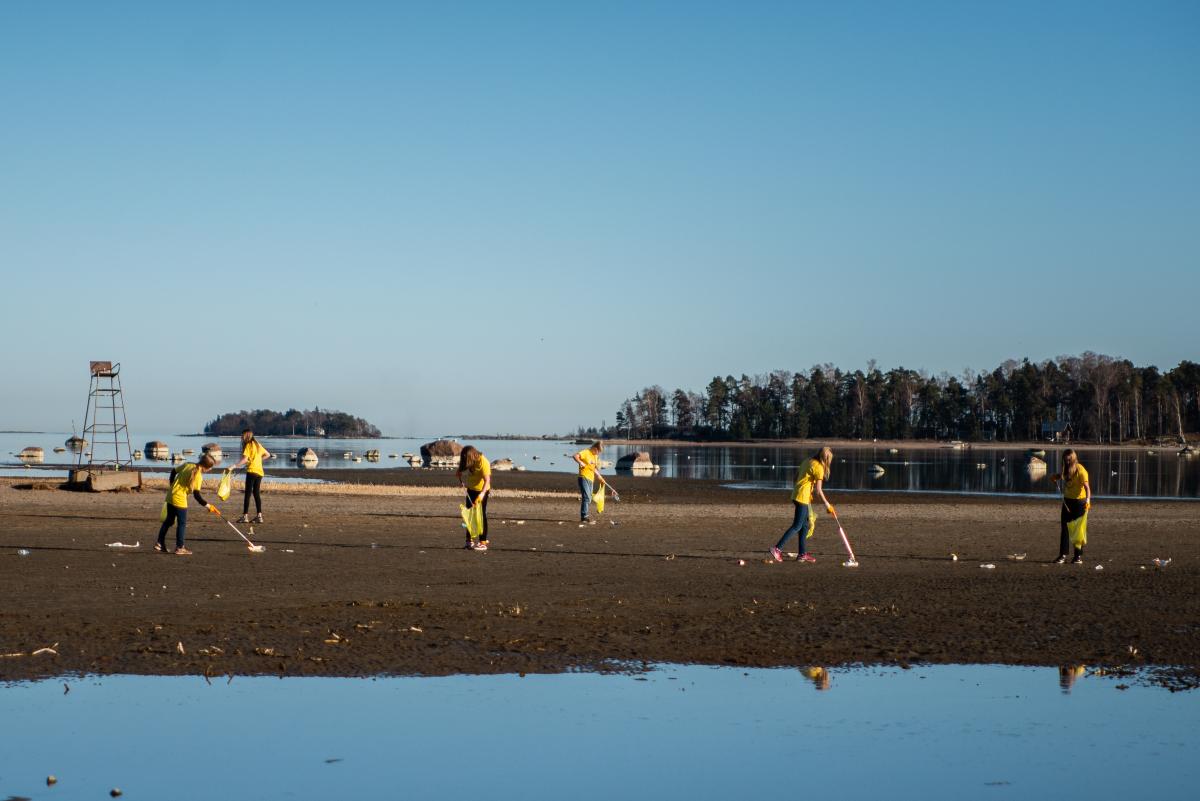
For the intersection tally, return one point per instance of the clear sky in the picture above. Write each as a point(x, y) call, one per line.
point(510, 216)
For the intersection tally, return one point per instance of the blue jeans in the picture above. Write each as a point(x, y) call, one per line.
point(585, 497)
point(173, 514)
point(800, 520)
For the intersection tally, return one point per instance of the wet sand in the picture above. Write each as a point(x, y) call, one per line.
point(371, 579)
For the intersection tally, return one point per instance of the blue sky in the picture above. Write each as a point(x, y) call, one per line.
point(510, 216)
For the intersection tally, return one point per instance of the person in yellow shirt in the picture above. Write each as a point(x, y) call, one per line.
point(185, 479)
point(810, 478)
point(1077, 500)
point(475, 475)
point(253, 454)
point(588, 460)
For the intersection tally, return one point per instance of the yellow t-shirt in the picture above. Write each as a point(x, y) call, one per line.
point(1073, 485)
point(811, 471)
point(253, 452)
point(188, 479)
point(588, 469)
point(476, 477)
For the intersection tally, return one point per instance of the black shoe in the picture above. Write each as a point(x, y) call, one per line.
point(1062, 560)
point(1078, 560)
point(585, 520)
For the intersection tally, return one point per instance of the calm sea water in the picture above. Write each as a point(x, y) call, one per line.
point(946, 732)
point(1119, 473)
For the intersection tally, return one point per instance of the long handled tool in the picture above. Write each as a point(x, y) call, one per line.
point(846, 541)
point(253, 548)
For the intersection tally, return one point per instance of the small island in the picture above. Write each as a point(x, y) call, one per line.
point(293, 423)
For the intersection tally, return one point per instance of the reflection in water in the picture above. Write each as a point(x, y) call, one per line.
point(1068, 675)
point(934, 732)
point(819, 677)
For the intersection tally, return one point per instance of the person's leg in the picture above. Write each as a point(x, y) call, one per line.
point(246, 501)
point(471, 496)
point(257, 480)
point(799, 526)
point(1064, 543)
point(165, 527)
point(180, 529)
point(585, 497)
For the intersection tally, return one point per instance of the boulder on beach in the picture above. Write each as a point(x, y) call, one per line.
point(503, 464)
point(32, 454)
point(76, 443)
point(638, 460)
point(155, 449)
point(213, 449)
point(877, 469)
point(306, 457)
point(1036, 465)
point(441, 453)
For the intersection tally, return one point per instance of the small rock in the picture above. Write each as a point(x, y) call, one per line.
point(115, 792)
point(51, 780)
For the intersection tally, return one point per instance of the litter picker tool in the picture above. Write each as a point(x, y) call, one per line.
point(852, 562)
point(253, 548)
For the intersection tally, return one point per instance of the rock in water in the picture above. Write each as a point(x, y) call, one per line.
point(441, 453)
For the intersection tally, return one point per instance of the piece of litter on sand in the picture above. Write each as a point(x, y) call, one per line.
point(988, 566)
point(1099, 567)
point(288, 550)
point(850, 563)
point(1017, 557)
point(137, 544)
point(50, 649)
point(520, 522)
point(953, 557)
point(1160, 562)
point(179, 647)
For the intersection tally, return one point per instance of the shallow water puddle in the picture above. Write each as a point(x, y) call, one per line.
point(677, 732)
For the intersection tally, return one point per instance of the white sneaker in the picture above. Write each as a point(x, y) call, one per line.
point(258, 518)
point(244, 519)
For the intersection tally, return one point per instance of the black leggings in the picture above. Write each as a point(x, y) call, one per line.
point(253, 485)
point(471, 496)
point(1072, 509)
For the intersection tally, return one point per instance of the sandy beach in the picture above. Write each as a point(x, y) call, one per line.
point(370, 578)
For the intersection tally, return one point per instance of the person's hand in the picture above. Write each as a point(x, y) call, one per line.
point(829, 508)
point(1087, 505)
point(1056, 477)
point(214, 509)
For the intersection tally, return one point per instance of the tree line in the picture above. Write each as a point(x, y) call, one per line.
point(269, 423)
point(1091, 397)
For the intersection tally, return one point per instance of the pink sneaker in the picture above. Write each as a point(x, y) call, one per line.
point(776, 554)
point(807, 557)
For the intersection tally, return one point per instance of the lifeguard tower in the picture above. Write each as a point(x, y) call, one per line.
point(108, 465)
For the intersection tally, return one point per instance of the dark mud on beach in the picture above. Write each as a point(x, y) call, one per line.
point(377, 582)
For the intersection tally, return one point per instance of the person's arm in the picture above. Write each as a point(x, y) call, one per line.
point(458, 475)
point(487, 487)
point(820, 488)
point(1087, 488)
point(239, 464)
point(171, 480)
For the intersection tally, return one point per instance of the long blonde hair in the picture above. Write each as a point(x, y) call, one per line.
point(469, 458)
point(1070, 462)
point(824, 455)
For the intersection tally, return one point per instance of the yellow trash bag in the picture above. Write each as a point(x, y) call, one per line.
point(162, 515)
point(598, 498)
point(225, 488)
point(812, 522)
point(1077, 531)
point(472, 519)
